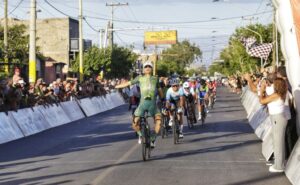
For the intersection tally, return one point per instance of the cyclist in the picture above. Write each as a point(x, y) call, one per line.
point(202, 92)
point(210, 93)
point(189, 94)
point(215, 84)
point(149, 87)
point(175, 100)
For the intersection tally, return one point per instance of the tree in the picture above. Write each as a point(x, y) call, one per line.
point(177, 58)
point(116, 63)
point(17, 45)
point(235, 56)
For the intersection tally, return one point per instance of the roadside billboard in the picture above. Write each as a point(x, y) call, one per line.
point(160, 37)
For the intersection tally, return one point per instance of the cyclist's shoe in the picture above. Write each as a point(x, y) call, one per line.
point(200, 117)
point(180, 135)
point(140, 140)
point(207, 111)
point(153, 139)
point(152, 144)
point(170, 123)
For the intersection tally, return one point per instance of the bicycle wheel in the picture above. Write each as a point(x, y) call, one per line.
point(148, 142)
point(203, 115)
point(188, 117)
point(163, 128)
point(167, 127)
point(144, 143)
point(175, 130)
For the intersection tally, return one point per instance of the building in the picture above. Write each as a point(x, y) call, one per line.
point(54, 38)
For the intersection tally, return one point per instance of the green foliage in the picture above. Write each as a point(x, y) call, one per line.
point(121, 63)
point(116, 63)
point(235, 56)
point(17, 45)
point(177, 58)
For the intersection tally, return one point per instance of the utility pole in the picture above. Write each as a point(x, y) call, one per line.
point(80, 43)
point(101, 38)
point(5, 38)
point(112, 5)
point(32, 45)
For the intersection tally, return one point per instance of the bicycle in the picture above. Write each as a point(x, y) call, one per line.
point(146, 137)
point(175, 127)
point(164, 129)
point(203, 111)
point(190, 114)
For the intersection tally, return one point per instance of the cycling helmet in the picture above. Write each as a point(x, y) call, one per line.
point(186, 85)
point(174, 81)
point(202, 82)
point(148, 63)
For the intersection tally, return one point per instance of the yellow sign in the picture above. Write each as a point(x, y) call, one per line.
point(160, 37)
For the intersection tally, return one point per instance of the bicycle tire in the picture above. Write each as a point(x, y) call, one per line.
point(203, 115)
point(188, 118)
point(144, 144)
point(148, 142)
point(175, 132)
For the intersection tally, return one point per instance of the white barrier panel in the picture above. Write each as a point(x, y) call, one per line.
point(262, 130)
point(72, 110)
point(54, 115)
point(114, 98)
point(87, 106)
point(102, 104)
point(96, 105)
point(31, 121)
point(108, 102)
point(120, 99)
point(292, 170)
point(257, 118)
point(9, 129)
point(267, 145)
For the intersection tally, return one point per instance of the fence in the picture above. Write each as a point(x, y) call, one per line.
point(25, 122)
point(262, 126)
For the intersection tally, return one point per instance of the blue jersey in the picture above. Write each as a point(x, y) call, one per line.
point(201, 91)
point(172, 95)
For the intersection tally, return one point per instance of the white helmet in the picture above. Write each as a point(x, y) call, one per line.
point(174, 81)
point(148, 63)
point(186, 85)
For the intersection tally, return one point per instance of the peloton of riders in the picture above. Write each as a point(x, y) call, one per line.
point(173, 94)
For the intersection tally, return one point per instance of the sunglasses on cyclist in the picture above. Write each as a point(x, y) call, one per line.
point(174, 85)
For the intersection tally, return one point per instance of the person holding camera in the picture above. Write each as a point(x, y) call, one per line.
point(276, 107)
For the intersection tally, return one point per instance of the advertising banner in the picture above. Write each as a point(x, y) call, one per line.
point(160, 37)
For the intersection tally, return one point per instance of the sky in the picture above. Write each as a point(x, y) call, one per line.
point(206, 23)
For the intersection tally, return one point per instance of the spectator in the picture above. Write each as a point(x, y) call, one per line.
point(276, 107)
point(16, 76)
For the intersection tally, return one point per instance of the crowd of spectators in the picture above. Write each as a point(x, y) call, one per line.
point(274, 92)
point(15, 93)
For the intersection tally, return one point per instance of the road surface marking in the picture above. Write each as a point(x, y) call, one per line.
point(104, 174)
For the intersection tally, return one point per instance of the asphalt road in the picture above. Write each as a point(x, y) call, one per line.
point(103, 150)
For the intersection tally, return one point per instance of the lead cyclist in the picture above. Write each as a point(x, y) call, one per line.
point(149, 87)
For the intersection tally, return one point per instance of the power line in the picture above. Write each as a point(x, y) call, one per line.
point(59, 10)
point(94, 29)
point(183, 22)
point(17, 6)
point(259, 6)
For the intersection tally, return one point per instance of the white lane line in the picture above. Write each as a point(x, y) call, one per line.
point(109, 170)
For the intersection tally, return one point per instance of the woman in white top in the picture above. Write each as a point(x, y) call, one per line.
point(276, 107)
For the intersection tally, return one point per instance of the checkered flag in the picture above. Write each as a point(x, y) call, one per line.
point(261, 51)
point(248, 42)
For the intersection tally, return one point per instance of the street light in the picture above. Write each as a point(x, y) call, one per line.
point(261, 41)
